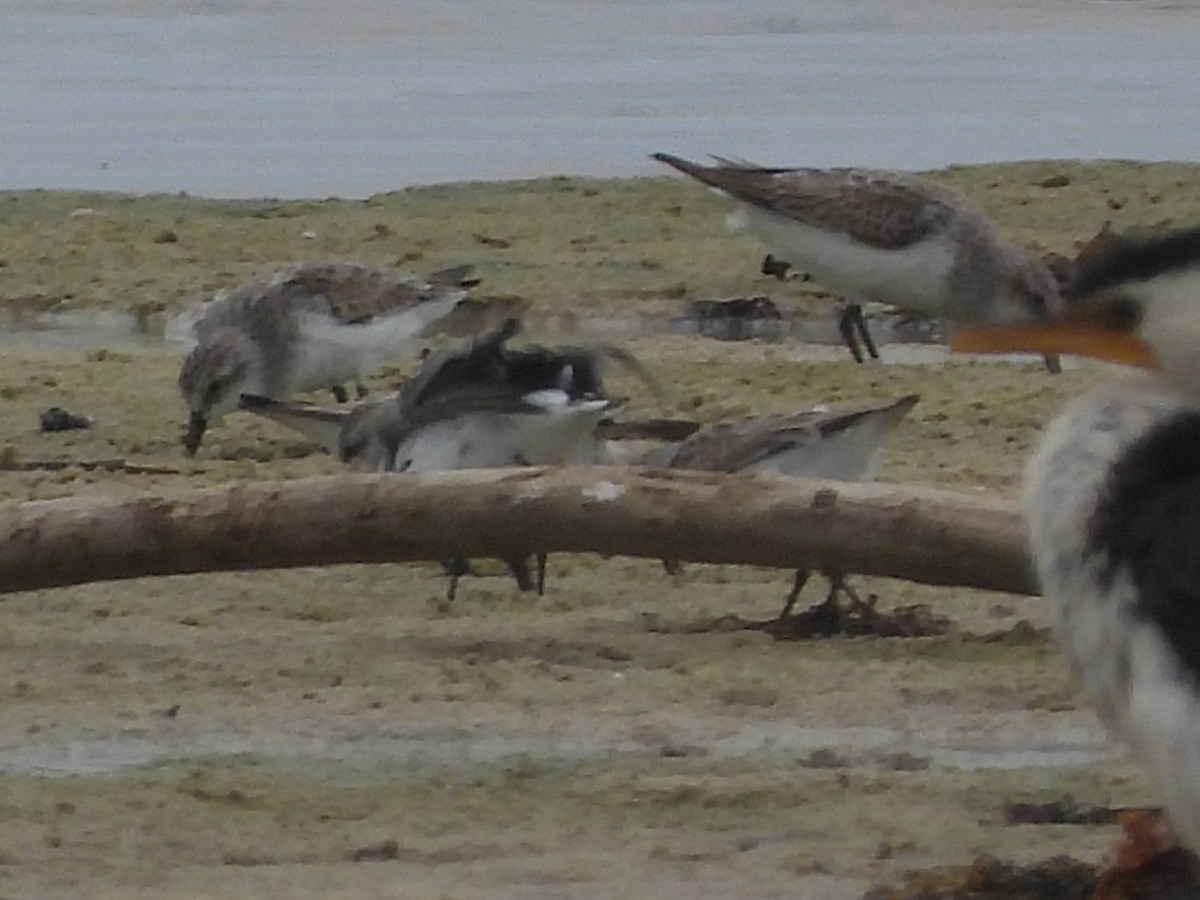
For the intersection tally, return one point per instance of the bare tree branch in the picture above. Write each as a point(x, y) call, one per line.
point(924, 535)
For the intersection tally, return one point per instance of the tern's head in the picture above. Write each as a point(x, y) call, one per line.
point(1135, 301)
point(214, 376)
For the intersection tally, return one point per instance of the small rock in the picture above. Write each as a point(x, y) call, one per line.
point(681, 751)
point(489, 241)
point(1055, 181)
point(737, 318)
point(775, 267)
point(824, 758)
point(381, 852)
point(903, 761)
point(58, 419)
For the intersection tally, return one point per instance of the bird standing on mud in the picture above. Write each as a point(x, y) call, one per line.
point(882, 236)
point(306, 326)
point(1112, 499)
point(812, 444)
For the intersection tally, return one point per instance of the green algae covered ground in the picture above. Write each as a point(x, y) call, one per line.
point(346, 733)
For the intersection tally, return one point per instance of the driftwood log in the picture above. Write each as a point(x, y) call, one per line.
point(923, 535)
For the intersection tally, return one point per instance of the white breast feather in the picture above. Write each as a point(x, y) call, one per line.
point(913, 277)
point(331, 351)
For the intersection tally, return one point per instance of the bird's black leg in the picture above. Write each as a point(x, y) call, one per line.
point(865, 608)
point(1053, 363)
point(520, 573)
point(794, 594)
point(828, 616)
point(339, 393)
point(860, 322)
point(455, 568)
point(839, 585)
point(459, 566)
point(672, 566)
point(541, 574)
point(846, 325)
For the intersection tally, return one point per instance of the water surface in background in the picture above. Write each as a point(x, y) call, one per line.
point(298, 98)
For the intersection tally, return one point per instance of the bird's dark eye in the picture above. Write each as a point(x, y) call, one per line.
point(1035, 300)
point(1124, 313)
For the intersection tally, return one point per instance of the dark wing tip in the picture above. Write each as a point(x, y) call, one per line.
point(669, 430)
point(669, 158)
point(687, 167)
point(455, 276)
point(256, 401)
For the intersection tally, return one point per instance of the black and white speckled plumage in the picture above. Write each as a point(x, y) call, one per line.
point(459, 396)
point(476, 404)
point(1114, 516)
point(1112, 499)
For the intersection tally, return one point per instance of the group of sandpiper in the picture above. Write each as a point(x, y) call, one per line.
point(1112, 496)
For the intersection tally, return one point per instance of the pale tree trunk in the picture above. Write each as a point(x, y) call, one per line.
point(929, 536)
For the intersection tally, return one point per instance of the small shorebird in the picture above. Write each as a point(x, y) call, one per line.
point(880, 236)
point(306, 326)
point(477, 405)
point(1112, 499)
point(838, 445)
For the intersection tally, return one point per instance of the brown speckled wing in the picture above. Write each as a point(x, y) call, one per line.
point(361, 293)
point(888, 210)
point(265, 304)
point(873, 209)
point(734, 445)
point(740, 443)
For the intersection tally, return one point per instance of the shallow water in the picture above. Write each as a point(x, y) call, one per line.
point(240, 98)
point(871, 747)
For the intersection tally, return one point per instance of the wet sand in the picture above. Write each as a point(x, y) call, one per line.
point(346, 732)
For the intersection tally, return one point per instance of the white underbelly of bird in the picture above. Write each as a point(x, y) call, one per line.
point(913, 277)
point(333, 352)
point(1119, 654)
point(850, 455)
point(484, 440)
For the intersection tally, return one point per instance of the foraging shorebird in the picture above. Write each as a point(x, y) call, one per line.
point(477, 405)
point(306, 326)
point(1112, 499)
point(838, 445)
point(880, 236)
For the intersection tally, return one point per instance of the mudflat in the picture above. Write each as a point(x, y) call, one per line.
point(347, 732)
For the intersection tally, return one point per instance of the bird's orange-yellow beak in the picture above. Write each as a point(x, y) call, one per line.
point(1082, 329)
